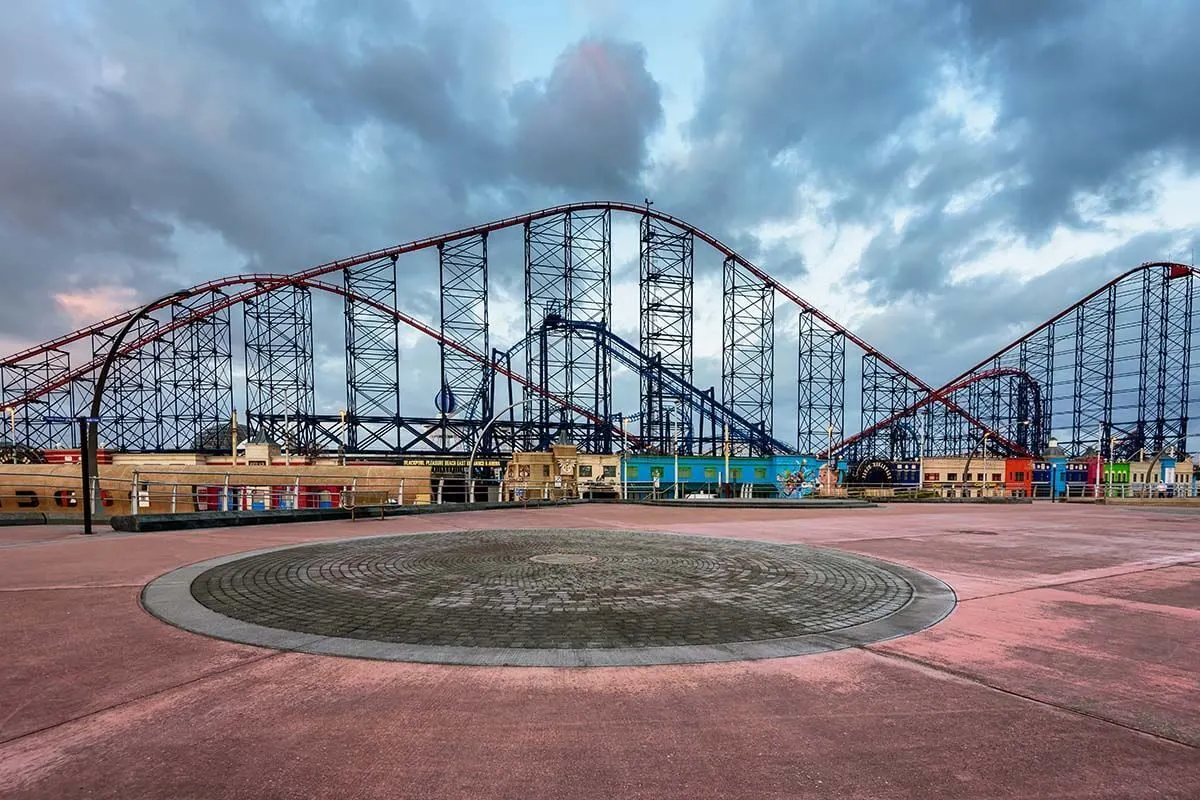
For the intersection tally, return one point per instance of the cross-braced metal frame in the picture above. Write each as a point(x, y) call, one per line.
point(280, 397)
point(821, 387)
point(372, 359)
point(47, 422)
point(666, 266)
point(133, 396)
point(1116, 366)
point(748, 348)
point(463, 267)
point(199, 379)
point(884, 394)
point(568, 271)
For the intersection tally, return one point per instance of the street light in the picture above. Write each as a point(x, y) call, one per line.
point(12, 424)
point(829, 460)
point(342, 437)
point(479, 439)
point(87, 426)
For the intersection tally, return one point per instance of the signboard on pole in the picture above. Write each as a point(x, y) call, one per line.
point(445, 401)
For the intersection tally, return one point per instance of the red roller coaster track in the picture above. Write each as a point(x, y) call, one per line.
point(264, 283)
point(974, 375)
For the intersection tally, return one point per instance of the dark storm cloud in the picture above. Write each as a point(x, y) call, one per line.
point(586, 126)
point(290, 138)
point(851, 98)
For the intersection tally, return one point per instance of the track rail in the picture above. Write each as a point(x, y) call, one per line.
point(939, 395)
point(264, 283)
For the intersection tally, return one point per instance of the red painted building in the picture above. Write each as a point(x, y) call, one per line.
point(1018, 477)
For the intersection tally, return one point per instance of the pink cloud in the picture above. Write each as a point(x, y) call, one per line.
point(97, 304)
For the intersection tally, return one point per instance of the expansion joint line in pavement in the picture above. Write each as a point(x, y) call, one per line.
point(1012, 693)
point(1071, 582)
point(123, 703)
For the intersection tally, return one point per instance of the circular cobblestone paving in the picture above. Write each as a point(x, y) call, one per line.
point(562, 597)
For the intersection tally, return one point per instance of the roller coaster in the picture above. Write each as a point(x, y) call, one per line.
point(1113, 370)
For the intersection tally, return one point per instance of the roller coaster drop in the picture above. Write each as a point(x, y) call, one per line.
point(1114, 368)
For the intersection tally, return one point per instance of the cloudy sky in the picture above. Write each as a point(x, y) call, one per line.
point(939, 176)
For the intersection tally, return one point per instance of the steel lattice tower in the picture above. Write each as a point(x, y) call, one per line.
point(372, 359)
point(279, 365)
point(133, 396)
point(463, 269)
point(821, 385)
point(665, 327)
point(199, 380)
point(885, 393)
point(748, 349)
point(33, 429)
point(568, 272)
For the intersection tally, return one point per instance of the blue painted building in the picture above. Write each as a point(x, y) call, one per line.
point(777, 476)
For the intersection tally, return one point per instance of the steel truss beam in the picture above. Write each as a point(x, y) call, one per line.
point(666, 267)
point(463, 267)
point(133, 396)
point(748, 348)
point(884, 394)
point(35, 422)
point(568, 271)
point(199, 378)
point(821, 385)
point(1094, 336)
point(279, 365)
point(1163, 390)
point(372, 359)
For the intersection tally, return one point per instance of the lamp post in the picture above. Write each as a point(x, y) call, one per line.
point(920, 453)
point(87, 426)
point(479, 439)
point(1112, 445)
point(829, 471)
point(985, 465)
point(342, 437)
point(678, 425)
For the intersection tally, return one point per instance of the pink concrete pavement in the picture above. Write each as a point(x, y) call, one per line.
point(1071, 668)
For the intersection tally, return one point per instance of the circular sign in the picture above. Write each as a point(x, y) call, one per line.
point(445, 401)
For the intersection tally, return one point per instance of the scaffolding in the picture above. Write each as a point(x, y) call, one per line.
point(821, 385)
point(47, 422)
point(747, 349)
point(568, 272)
point(280, 397)
point(372, 359)
point(133, 394)
point(199, 378)
point(666, 265)
point(463, 268)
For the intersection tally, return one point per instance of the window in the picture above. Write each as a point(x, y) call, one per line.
point(760, 473)
point(710, 473)
point(685, 472)
point(1019, 476)
point(997, 477)
point(610, 471)
point(979, 476)
point(735, 473)
point(951, 476)
point(545, 470)
point(585, 470)
point(933, 476)
point(631, 473)
point(656, 472)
